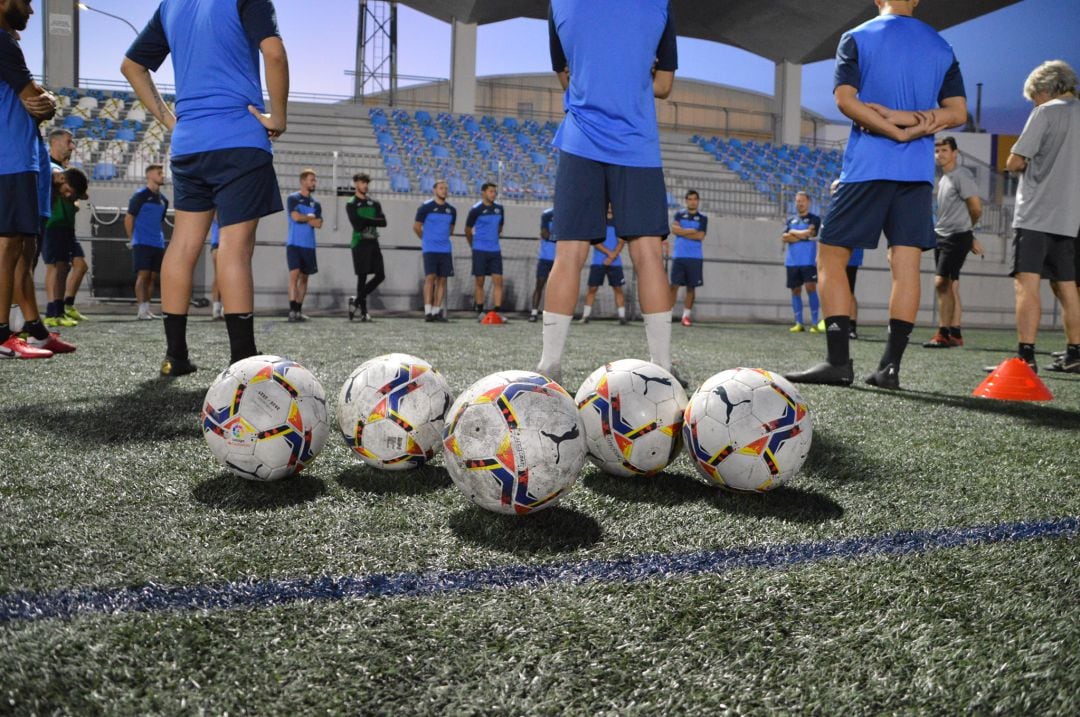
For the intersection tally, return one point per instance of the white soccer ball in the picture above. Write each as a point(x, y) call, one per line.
point(265, 418)
point(748, 429)
point(391, 411)
point(633, 412)
point(514, 442)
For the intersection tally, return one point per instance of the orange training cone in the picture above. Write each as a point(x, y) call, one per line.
point(492, 318)
point(1013, 380)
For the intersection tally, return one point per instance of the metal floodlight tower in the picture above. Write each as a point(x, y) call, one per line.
point(376, 50)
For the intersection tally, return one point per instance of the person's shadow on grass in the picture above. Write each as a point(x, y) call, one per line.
point(1031, 412)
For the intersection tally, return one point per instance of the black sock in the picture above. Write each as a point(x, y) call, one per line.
point(294, 306)
point(176, 336)
point(944, 331)
point(955, 331)
point(360, 285)
point(1026, 352)
point(69, 300)
point(1072, 351)
point(5, 332)
point(853, 323)
point(837, 339)
point(362, 303)
point(899, 331)
point(479, 308)
point(498, 309)
point(36, 329)
point(241, 328)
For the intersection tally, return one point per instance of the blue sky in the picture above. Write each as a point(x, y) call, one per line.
point(998, 50)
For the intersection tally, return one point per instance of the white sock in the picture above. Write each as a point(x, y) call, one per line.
point(686, 313)
point(556, 327)
point(427, 310)
point(622, 312)
point(217, 308)
point(585, 313)
point(658, 334)
point(535, 312)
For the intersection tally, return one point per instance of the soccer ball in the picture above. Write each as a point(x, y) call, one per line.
point(748, 429)
point(514, 442)
point(391, 411)
point(265, 418)
point(633, 412)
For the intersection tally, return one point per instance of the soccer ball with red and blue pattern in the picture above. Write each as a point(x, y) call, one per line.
point(265, 418)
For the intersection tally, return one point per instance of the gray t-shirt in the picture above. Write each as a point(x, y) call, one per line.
point(1047, 199)
point(953, 191)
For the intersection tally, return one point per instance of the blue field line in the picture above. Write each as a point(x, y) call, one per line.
point(267, 593)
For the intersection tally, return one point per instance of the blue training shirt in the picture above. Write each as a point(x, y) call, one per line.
point(610, 47)
point(486, 223)
point(215, 49)
point(610, 242)
point(547, 246)
point(44, 183)
point(856, 257)
point(901, 63)
point(688, 248)
point(215, 234)
point(149, 209)
point(802, 253)
point(438, 220)
point(301, 234)
point(19, 141)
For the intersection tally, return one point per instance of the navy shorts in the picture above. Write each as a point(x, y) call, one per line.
point(239, 183)
point(487, 263)
point(1052, 256)
point(951, 252)
point(799, 275)
point(614, 275)
point(861, 211)
point(58, 245)
point(146, 258)
point(439, 263)
point(688, 272)
point(543, 268)
point(584, 187)
point(301, 258)
point(19, 204)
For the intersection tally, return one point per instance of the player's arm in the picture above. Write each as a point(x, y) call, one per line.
point(974, 207)
point(545, 233)
point(355, 220)
point(558, 57)
point(316, 219)
point(380, 218)
point(695, 235)
point(40, 104)
point(293, 205)
point(129, 224)
point(276, 62)
point(667, 61)
point(418, 229)
point(1015, 163)
point(146, 54)
point(468, 234)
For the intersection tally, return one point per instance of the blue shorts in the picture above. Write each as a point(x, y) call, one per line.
point(584, 187)
point(543, 268)
point(688, 272)
point(439, 263)
point(19, 204)
point(59, 245)
point(146, 258)
point(302, 258)
point(861, 211)
point(240, 183)
point(487, 263)
point(614, 275)
point(799, 275)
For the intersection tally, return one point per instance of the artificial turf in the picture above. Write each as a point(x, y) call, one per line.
point(107, 484)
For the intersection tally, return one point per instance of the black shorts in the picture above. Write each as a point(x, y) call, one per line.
point(240, 183)
point(852, 274)
point(301, 259)
point(614, 275)
point(487, 263)
point(951, 252)
point(799, 275)
point(439, 263)
point(861, 211)
point(19, 205)
point(58, 245)
point(543, 268)
point(1053, 256)
point(146, 258)
point(584, 187)
point(688, 272)
point(367, 258)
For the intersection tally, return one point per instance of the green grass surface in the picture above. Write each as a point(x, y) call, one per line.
point(106, 482)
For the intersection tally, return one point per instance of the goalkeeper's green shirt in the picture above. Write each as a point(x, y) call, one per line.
point(366, 216)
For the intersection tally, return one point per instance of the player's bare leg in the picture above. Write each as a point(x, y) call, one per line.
point(177, 268)
point(654, 296)
point(560, 300)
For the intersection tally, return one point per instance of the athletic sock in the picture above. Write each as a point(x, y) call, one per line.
point(498, 309)
point(854, 328)
point(556, 327)
point(50, 310)
point(944, 331)
point(69, 301)
point(899, 332)
point(5, 332)
point(622, 312)
point(815, 307)
point(658, 335)
point(955, 332)
point(362, 306)
point(479, 308)
point(535, 312)
point(686, 313)
point(796, 307)
point(586, 312)
point(427, 310)
point(361, 285)
point(241, 328)
point(837, 340)
point(294, 306)
point(1026, 352)
point(176, 336)
point(36, 329)
point(1072, 352)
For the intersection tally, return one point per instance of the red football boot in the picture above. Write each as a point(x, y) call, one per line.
point(54, 343)
point(15, 347)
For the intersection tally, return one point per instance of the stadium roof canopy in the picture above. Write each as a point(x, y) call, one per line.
point(795, 31)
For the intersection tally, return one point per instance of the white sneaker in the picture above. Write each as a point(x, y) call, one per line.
point(146, 316)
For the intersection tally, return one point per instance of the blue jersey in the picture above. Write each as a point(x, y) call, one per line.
point(486, 223)
point(856, 257)
point(802, 253)
point(215, 234)
point(44, 184)
point(610, 243)
point(215, 49)
point(438, 221)
point(610, 47)
point(20, 147)
point(547, 246)
point(688, 248)
point(901, 63)
point(149, 209)
point(302, 234)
